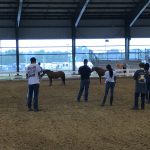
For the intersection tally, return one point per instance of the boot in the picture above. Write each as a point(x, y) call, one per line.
point(111, 101)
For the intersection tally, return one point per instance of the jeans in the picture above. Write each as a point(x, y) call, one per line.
point(34, 88)
point(136, 97)
point(109, 85)
point(148, 93)
point(84, 86)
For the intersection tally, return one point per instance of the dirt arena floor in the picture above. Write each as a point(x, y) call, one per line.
point(64, 124)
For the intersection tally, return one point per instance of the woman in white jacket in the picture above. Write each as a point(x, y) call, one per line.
point(110, 80)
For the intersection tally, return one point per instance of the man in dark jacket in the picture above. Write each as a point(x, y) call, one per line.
point(140, 77)
point(85, 72)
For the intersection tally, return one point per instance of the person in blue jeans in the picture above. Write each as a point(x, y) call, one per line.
point(110, 80)
point(32, 74)
point(85, 72)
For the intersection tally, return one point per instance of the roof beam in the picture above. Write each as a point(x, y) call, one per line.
point(80, 10)
point(19, 12)
point(138, 11)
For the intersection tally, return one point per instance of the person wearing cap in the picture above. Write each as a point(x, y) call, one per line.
point(140, 77)
point(147, 96)
point(41, 72)
point(32, 74)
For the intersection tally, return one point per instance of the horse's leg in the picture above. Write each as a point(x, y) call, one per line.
point(100, 79)
point(63, 80)
point(50, 79)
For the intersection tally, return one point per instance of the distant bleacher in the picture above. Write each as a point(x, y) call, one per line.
point(130, 64)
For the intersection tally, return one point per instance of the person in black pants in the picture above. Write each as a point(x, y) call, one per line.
point(147, 83)
point(85, 72)
point(140, 77)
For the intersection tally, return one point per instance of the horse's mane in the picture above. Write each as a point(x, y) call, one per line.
point(47, 71)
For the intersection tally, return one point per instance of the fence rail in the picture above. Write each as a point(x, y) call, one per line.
point(7, 75)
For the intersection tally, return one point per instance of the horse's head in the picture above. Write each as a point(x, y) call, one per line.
point(96, 68)
point(93, 69)
point(44, 71)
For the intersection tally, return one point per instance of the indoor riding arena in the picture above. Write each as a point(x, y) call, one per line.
point(65, 124)
point(60, 36)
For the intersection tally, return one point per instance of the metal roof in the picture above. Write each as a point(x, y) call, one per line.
point(74, 10)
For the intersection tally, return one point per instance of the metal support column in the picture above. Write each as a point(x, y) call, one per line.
point(127, 42)
point(73, 47)
point(127, 47)
point(17, 50)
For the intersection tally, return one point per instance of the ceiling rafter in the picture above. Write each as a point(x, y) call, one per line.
point(139, 9)
point(79, 11)
point(19, 12)
point(73, 10)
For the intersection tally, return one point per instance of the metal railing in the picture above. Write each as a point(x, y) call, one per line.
point(7, 75)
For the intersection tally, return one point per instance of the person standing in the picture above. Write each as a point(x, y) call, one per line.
point(40, 65)
point(32, 74)
point(110, 80)
point(147, 68)
point(140, 77)
point(124, 68)
point(41, 72)
point(85, 72)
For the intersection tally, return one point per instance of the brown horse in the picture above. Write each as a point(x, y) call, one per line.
point(99, 71)
point(54, 75)
point(119, 66)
